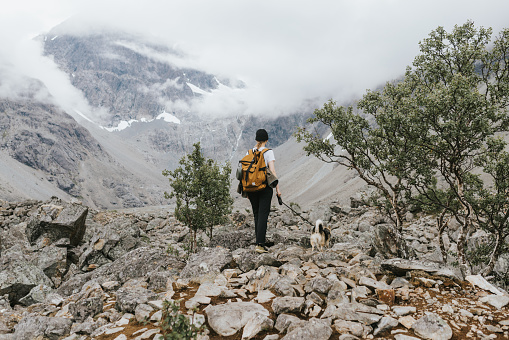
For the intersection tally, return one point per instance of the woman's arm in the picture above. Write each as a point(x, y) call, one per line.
point(272, 169)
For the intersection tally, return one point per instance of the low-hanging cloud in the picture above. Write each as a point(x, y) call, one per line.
point(287, 53)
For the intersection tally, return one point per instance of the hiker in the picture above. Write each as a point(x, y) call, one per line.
point(260, 200)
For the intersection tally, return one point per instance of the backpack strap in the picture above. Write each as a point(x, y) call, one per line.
point(261, 154)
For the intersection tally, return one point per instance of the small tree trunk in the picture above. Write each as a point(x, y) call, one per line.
point(441, 228)
point(462, 237)
point(462, 240)
point(494, 254)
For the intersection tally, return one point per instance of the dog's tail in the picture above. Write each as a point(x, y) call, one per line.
point(319, 226)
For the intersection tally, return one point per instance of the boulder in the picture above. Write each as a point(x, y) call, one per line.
point(284, 321)
point(247, 260)
point(37, 294)
point(259, 322)
point(129, 298)
point(386, 323)
point(56, 220)
point(233, 239)
point(432, 326)
point(228, 319)
point(356, 328)
point(497, 301)
point(357, 312)
point(140, 262)
point(53, 261)
point(313, 329)
point(318, 284)
point(84, 308)
point(35, 327)
point(387, 243)
point(400, 267)
point(288, 304)
point(207, 261)
point(17, 278)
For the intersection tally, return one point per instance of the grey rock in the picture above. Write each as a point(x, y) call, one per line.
point(271, 337)
point(263, 278)
point(228, 319)
point(356, 328)
point(313, 329)
point(157, 281)
point(284, 321)
point(347, 337)
point(357, 312)
point(288, 304)
point(432, 326)
point(386, 323)
point(259, 322)
point(494, 329)
point(386, 243)
point(318, 284)
point(84, 308)
point(31, 327)
point(497, 301)
point(37, 294)
point(4, 303)
point(56, 220)
point(400, 267)
point(400, 282)
point(208, 260)
point(405, 337)
point(373, 284)
point(74, 283)
point(403, 310)
point(284, 286)
point(140, 262)
point(53, 261)
point(142, 312)
point(129, 298)
point(248, 260)
point(17, 278)
point(233, 239)
point(337, 295)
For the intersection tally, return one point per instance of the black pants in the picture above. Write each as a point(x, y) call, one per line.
point(260, 202)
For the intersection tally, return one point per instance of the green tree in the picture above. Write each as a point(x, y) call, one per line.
point(491, 202)
point(378, 151)
point(420, 140)
point(460, 90)
point(201, 189)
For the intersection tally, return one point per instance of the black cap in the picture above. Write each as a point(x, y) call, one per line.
point(262, 135)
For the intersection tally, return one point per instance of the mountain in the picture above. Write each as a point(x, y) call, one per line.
point(113, 155)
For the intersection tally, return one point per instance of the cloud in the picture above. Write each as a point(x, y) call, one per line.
point(288, 53)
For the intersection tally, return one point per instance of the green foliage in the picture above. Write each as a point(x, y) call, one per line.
point(201, 188)
point(172, 250)
point(418, 141)
point(175, 325)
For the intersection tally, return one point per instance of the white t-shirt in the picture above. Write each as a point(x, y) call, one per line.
point(268, 156)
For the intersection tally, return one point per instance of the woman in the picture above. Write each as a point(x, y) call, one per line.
point(260, 200)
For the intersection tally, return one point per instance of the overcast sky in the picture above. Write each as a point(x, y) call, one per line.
point(287, 52)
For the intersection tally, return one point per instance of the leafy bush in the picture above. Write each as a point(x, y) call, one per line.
point(177, 326)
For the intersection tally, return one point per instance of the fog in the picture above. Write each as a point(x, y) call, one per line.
point(287, 53)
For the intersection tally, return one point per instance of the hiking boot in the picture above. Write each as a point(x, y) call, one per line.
point(269, 244)
point(261, 249)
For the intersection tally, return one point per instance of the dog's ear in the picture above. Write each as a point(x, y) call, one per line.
point(320, 228)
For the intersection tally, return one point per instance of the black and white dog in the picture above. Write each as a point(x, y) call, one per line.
point(320, 236)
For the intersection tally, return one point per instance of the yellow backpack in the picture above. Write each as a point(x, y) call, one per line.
point(254, 171)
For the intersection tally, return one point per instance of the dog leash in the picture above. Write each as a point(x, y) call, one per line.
point(280, 200)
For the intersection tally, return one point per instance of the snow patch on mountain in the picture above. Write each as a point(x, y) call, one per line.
point(124, 124)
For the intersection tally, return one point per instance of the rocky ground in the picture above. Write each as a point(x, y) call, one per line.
point(68, 272)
